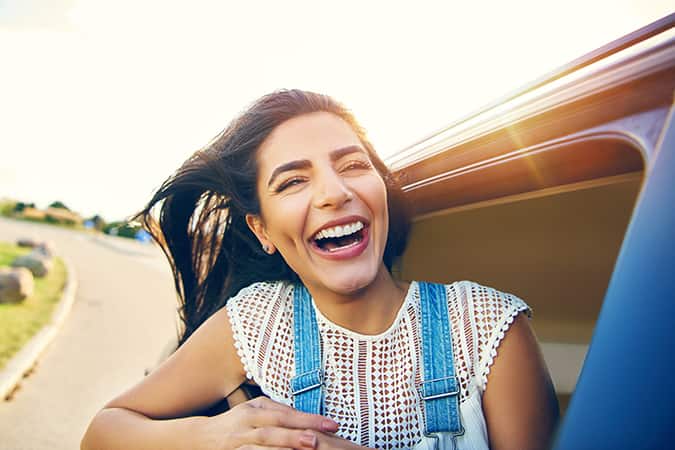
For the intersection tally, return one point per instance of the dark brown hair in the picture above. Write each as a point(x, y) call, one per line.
point(198, 214)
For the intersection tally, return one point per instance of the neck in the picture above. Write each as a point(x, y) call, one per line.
point(370, 310)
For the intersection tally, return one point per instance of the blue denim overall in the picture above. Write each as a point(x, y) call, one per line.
point(439, 389)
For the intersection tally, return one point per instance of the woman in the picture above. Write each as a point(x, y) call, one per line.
point(281, 234)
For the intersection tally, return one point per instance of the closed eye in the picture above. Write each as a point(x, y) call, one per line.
point(349, 166)
point(356, 165)
point(288, 183)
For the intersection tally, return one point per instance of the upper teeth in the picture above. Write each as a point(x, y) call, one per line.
point(339, 231)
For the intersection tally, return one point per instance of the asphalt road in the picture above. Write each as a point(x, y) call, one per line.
point(121, 321)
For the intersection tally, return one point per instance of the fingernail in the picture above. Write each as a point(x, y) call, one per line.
point(308, 440)
point(329, 425)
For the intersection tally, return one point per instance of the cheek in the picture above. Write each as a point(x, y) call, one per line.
point(375, 192)
point(285, 218)
point(379, 202)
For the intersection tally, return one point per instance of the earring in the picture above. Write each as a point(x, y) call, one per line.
point(266, 248)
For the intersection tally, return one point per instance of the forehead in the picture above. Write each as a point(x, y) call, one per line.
point(307, 136)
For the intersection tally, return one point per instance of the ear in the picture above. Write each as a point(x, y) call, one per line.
point(256, 225)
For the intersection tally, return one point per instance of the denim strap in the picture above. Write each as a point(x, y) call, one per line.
point(306, 385)
point(440, 387)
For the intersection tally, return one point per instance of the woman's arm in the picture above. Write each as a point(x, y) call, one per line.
point(259, 423)
point(118, 428)
point(201, 372)
point(519, 402)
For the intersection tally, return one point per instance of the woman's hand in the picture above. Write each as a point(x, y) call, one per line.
point(262, 423)
point(328, 441)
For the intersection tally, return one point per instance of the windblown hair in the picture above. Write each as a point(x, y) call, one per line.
point(197, 216)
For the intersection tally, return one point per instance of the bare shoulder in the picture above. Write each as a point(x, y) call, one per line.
point(202, 371)
point(519, 402)
point(518, 345)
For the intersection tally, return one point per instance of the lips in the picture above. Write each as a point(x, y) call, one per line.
point(344, 252)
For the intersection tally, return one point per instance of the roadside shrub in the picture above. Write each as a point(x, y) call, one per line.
point(7, 207)
point(124, 229)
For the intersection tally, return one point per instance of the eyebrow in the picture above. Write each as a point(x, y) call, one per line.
point(305, 163)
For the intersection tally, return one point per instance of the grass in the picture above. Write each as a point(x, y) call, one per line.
point(19, 322)
point(68, 226)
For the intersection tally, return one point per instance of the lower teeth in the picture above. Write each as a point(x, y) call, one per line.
point(344, 246)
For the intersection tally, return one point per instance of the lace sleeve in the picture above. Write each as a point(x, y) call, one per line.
point(248, 311)
point(493, 313)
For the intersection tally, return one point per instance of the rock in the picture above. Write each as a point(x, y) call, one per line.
point(36, 262)
point(46, 248)
point(15, 284)
point(27, 242)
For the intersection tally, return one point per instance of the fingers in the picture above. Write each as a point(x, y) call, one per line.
point(266, 403)
point(264, 412)
point(263, 423)
point(277, 437)
point(330, 441)
point(260, 447)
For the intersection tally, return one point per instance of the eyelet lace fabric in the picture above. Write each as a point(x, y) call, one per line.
point(371, 381)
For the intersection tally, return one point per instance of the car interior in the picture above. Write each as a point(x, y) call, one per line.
point(555, 248)
point(533, 194)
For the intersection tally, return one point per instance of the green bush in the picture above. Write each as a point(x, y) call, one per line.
point(20, 206)
point(7, 207)
point(58, 204)
point(98, 221)
point(123, 229)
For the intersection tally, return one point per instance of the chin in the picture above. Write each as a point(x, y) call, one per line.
point(349, 284)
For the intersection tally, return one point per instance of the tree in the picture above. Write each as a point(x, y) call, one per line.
point(20, 206)
point(59, 204)
point(7, 207)
point(123, 229)
point(98, 221)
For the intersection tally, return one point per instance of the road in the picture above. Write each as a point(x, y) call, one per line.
point(122, 319)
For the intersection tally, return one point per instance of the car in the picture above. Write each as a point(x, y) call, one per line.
point(563, 193)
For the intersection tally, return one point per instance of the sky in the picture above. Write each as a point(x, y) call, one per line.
point(100, 101)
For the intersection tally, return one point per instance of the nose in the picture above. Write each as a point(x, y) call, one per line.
point(331, 191)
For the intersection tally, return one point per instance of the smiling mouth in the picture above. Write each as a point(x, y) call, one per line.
point(339, 238)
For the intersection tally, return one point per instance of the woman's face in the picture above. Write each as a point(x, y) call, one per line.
point(323, 204)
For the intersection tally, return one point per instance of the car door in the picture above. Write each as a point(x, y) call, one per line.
point(624, 397)
point(562, 193)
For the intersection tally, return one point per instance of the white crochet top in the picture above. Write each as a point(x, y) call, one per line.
point(371, 380)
